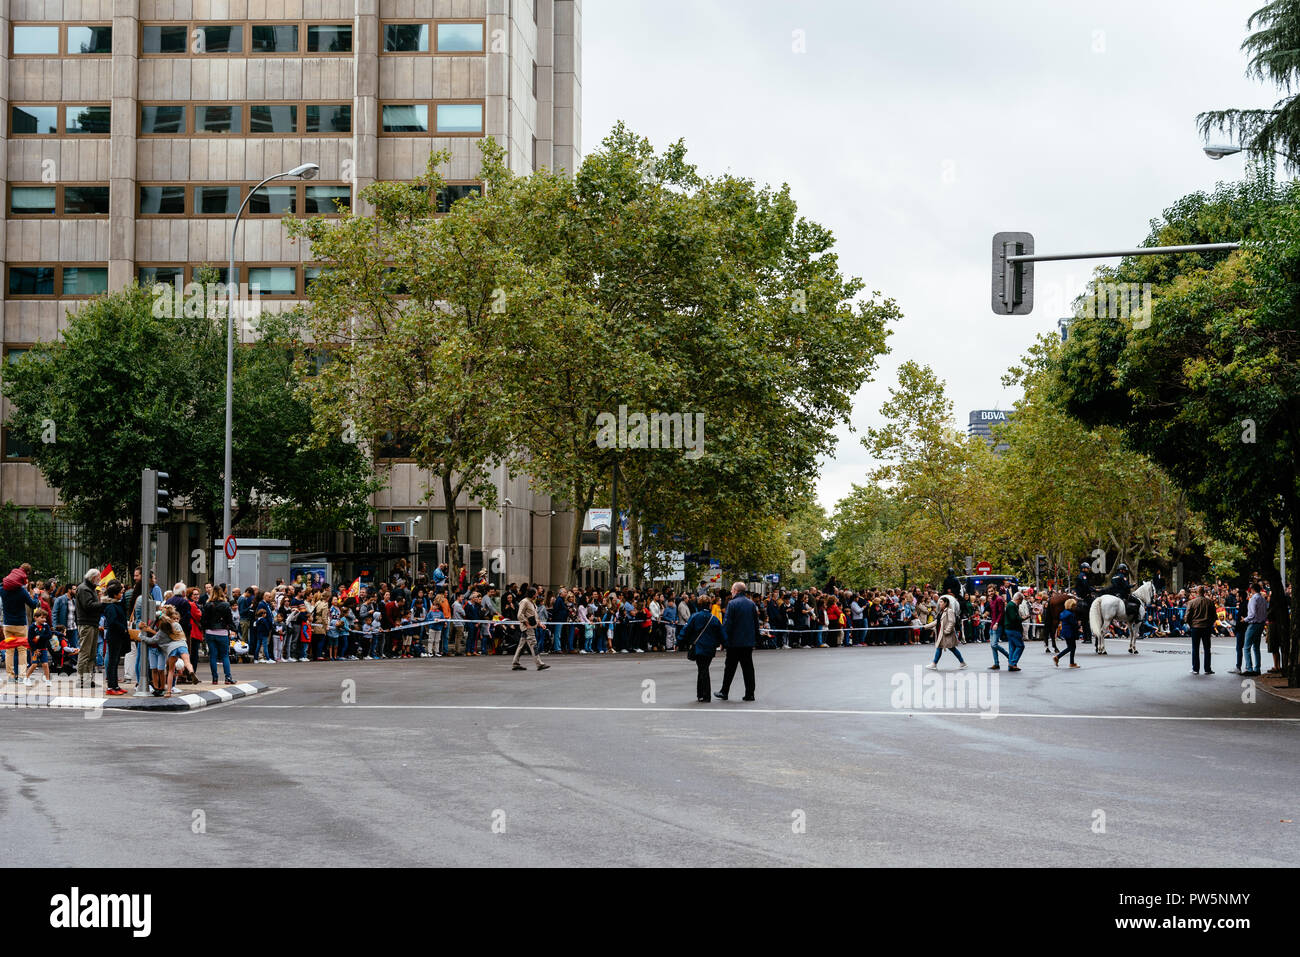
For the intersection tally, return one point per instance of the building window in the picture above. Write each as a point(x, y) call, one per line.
point(274, 201)
point(92, 40)
point(162, 200)
point(328, 118)
point(31, 280)
point(41, 281)
point(274, 280)
point(35, 40)
point(406, 38)
point(329, 38)
point(165, 38)
point(34, 120)
point(274, 38)
point(406, 118)
point(218, 119)
point(452, 192)
point(273, 118)
point(218, 38)
point(461, 37)
point(33, 200)
point(85, 200)
point(217, 200)
point(323, 200)
point(58, 200)
point(149, 276)
point(85, 280)
point(163, 120)
point(15, 448)
point(92, 120)
point(460, 117)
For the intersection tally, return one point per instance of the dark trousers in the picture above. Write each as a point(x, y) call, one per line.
point(1239, 629)
point(745, 658)
point(1200, 635)
point(703, 687)
point(117, 647)
point(1069, 649)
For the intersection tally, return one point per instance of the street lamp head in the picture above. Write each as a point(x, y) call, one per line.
point(305, 171)
point(507, 501)
point(1219, 152)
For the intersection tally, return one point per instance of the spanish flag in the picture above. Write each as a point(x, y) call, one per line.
point(353, 590)
point(106, 576)
point(10, 638)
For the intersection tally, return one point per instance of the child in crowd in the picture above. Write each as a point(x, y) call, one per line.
point(261, 634)
point(40, 637)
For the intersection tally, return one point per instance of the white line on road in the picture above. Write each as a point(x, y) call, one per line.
point(726, 710)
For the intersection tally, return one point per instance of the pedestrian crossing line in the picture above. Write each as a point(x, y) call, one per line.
point(769, 711)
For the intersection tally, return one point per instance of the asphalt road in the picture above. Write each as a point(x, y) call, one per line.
point(463, 762)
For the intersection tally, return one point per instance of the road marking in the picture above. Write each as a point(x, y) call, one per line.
point(726, 710)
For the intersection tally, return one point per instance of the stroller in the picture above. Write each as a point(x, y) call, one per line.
point(63, 659)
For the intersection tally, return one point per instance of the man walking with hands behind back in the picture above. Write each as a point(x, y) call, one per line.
point(740, 635)
point(528, 630)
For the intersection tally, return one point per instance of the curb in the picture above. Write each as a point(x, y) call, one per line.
point(190, 701)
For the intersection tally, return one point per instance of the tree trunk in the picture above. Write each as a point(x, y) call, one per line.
point(634, 537)
point(581, 503)
point(453, 535)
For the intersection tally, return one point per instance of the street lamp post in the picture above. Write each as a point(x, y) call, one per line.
point(305, 171)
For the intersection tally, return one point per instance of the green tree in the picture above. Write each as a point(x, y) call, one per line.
point(1210, 389)
point(29, 536)
point(138, 381)
point(1274, 47)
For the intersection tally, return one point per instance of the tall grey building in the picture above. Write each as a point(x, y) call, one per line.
point(133, 129)
point(981, 424)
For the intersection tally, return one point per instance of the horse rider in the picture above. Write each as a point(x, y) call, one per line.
point(951, 585)
point(1122, 589)
point(1084, 593)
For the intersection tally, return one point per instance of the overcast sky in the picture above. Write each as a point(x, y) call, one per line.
point(917, 130)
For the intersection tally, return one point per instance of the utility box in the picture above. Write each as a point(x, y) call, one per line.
point(258, 562)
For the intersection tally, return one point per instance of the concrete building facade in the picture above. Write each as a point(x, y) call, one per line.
point(133, 129)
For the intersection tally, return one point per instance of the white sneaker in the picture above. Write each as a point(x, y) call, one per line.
point(963, 665)
point(28, 682)
point(933, 666)
point(640, 651)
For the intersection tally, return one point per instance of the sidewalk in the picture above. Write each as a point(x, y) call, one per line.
point(62, 692)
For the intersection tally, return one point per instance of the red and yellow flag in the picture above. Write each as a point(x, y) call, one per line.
point(13, 640)
point(353, 590)
point(106, 576)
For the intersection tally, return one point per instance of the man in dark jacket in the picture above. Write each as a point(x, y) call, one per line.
point(89, 608)
point(1200, 617)
point(740, 629)
point(706, 632)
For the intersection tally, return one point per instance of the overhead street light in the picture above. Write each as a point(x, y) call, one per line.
point(1219, 152)
point(305, 171)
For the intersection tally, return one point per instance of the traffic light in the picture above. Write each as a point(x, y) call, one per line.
point(153, 497)
point(1040, 568)
point(1013, 283)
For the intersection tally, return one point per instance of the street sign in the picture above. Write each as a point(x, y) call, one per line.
point(230, 548)
point(983, 568)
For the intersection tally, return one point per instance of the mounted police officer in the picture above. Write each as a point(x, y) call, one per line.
point(1121, 588)
point(951, 585)
point(1084, 593)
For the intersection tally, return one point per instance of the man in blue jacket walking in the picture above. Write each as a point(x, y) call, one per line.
point(740, 635)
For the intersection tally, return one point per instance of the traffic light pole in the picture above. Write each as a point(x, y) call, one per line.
point(146, 616)
point(1014, 256)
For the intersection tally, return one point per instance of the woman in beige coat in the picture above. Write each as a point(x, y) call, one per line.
point(946, 631)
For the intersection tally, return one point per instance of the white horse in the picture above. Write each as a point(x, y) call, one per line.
point(1108, 609)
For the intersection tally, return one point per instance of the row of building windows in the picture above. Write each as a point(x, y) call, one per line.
point(224, 199)
point(83, 200)
point(463, 37)
point(440, 117)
